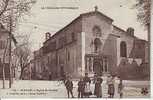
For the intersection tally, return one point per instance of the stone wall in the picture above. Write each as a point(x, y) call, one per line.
point(127, 39)
point(88, 23)
point(68, 55)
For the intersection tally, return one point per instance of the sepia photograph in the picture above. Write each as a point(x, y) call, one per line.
point(75, 48)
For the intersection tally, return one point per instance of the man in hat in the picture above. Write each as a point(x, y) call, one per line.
point(69, 87)
point(86, 78)
point(81, 87)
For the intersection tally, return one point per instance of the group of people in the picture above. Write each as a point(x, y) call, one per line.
point(84, 90)
point(84, 86)
point(111, 87)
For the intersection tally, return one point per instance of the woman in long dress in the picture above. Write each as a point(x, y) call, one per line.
point(98, 88)
point(111, 88)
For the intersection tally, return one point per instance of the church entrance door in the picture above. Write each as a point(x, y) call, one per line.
point(96, 64)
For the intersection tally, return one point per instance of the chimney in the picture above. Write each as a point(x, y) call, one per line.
point(47, 35)
point(130, 31)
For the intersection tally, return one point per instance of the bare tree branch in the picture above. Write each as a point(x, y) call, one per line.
point(23, 53)
point(19, 9)
point(5, 2)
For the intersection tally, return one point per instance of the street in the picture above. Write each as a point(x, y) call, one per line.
point(56, 89)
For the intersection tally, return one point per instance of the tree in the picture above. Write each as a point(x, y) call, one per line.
point(23, 55)
point(14, 8)
point(11, 12)
point(144, 17)
point(144, 13)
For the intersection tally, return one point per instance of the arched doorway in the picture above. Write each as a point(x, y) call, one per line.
point(123, 49)
point(97, 67)
point(96, 64)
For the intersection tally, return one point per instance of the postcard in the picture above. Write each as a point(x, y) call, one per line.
point(75, 48)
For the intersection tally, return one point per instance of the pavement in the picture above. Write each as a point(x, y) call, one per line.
point(56, 89)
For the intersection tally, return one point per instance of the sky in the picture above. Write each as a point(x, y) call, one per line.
point(43, 18)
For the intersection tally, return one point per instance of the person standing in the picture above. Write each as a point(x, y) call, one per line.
point(120, 88)
point(81, 87)
point(98, 87)
point(87, 91)
point(69, 87)
point(95, 78)
point(111, 88)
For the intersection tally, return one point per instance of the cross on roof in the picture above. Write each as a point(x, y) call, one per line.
point(96, 8)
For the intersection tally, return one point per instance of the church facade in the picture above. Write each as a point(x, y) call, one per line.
point(92, 44)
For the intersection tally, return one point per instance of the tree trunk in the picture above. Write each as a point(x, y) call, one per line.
point(10, 47)
point(3, 65)
point(21, 74)
point(21, 67)
point(3, 69)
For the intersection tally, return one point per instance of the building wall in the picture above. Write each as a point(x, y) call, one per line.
point(109, 42)
point(68, 55)
point(38, 60)
point(88, 23)
point(111, 39)
point(110, 49)
point(129, 40)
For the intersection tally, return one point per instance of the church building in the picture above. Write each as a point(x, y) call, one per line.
point(92, 44)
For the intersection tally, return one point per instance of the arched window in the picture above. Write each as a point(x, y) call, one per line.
point(97, 44)
point(68, 56)
point(96, 31)
point(90, 64)
point(123, 49)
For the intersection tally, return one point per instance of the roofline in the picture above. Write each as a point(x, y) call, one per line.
point(119, 28)
point(142, 40)
point(81, 15)
point(56, 33)
point(115, 35)
point(97, 12)
point(129, 35)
